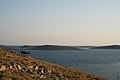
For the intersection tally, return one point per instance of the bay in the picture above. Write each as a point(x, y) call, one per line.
point(101, 62)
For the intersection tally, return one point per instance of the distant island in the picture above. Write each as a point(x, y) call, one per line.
point(42, 47)
point(107, 47)
point(50, 47)
point(57, 47)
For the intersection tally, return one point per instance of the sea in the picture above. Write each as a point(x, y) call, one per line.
point(101, 62)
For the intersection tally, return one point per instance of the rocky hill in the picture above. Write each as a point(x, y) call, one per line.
point(21, 67)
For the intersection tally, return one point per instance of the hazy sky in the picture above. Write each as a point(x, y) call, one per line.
point(64, 22)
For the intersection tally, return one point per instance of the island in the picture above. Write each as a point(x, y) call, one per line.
point(107, 47)
point(41, 47)
point(53, 47)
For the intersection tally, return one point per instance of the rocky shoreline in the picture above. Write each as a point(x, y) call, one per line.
point(19, 67)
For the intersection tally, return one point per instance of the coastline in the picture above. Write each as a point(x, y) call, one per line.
point(52, 71)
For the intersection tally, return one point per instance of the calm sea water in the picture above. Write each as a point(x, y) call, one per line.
point(102, 62)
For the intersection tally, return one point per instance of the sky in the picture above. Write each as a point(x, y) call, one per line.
point(61, 22)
